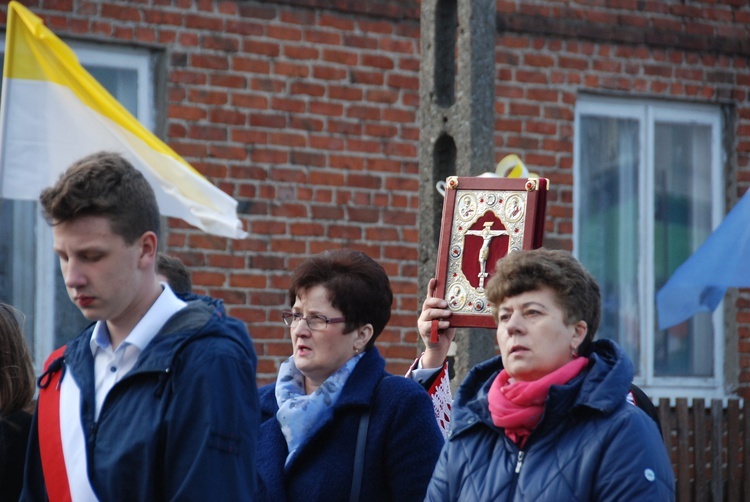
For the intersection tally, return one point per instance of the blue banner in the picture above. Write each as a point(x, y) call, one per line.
point(721, 262)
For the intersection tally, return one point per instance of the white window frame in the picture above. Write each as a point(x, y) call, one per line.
point(647, 113)
point(89, 54)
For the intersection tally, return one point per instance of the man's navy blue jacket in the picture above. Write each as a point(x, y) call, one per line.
point(181, 425)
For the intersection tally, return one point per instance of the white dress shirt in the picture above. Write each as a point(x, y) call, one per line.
point(110, 366)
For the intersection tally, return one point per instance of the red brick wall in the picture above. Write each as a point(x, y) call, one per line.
point(305, 111)
point(311, 116)
point(549, 52)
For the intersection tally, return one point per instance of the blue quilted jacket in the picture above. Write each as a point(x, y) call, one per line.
point(590, 445)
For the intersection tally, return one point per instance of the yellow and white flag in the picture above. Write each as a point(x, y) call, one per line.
point(53, 112)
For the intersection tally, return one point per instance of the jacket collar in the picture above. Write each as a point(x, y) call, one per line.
point(602, 387)
point(198, 319)
point(609, 377)
point(357, 393)
point(360, 386)
point(470, 407)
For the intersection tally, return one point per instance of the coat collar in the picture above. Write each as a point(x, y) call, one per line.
point(360, 386)
point(200, 318)
point(602, 387)
point(357, 393)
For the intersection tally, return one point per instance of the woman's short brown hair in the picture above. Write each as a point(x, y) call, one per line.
point(16, 370)
point(577, 291)
point(357, 286)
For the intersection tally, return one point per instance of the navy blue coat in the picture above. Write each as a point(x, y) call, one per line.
point(590, 444)
point(181, 425)
point(14, 434)
point(403, 442)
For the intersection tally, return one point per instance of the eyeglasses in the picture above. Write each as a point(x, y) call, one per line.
point(314, 322)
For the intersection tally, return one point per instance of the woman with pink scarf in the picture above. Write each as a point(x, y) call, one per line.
point(548, 418)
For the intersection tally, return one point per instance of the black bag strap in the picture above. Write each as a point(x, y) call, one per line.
point(359, 453)
point(359, 456)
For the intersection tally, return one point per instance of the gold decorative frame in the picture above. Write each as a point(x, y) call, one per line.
point(496, 215)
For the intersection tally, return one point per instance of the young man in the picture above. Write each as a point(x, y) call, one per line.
point(157, 399)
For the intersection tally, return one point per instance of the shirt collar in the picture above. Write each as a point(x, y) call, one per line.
point(165, 306)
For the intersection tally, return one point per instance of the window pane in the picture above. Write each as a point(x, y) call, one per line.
point(682, 204)
point(608, 216)
point(18, 274)
point(17, 258)
point(122, 84)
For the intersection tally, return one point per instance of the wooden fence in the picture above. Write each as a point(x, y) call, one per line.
point(707, 445)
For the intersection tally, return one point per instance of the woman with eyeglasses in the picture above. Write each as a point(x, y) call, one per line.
point(335, 426)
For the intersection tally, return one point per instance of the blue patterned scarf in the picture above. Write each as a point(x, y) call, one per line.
point(300, 414)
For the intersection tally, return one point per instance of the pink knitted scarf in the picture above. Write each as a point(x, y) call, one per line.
point(517, 406)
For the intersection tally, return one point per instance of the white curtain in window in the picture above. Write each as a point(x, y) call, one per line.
point(683, 220)
point(608, 222)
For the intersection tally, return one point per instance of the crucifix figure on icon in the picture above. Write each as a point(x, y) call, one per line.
point(484, 252)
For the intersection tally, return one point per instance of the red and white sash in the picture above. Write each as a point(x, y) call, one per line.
point(48, 429)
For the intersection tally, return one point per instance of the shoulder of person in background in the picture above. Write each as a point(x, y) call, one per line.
point(639, 398)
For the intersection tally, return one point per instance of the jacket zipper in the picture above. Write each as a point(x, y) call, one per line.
point(517, 471)
point(519, 463)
